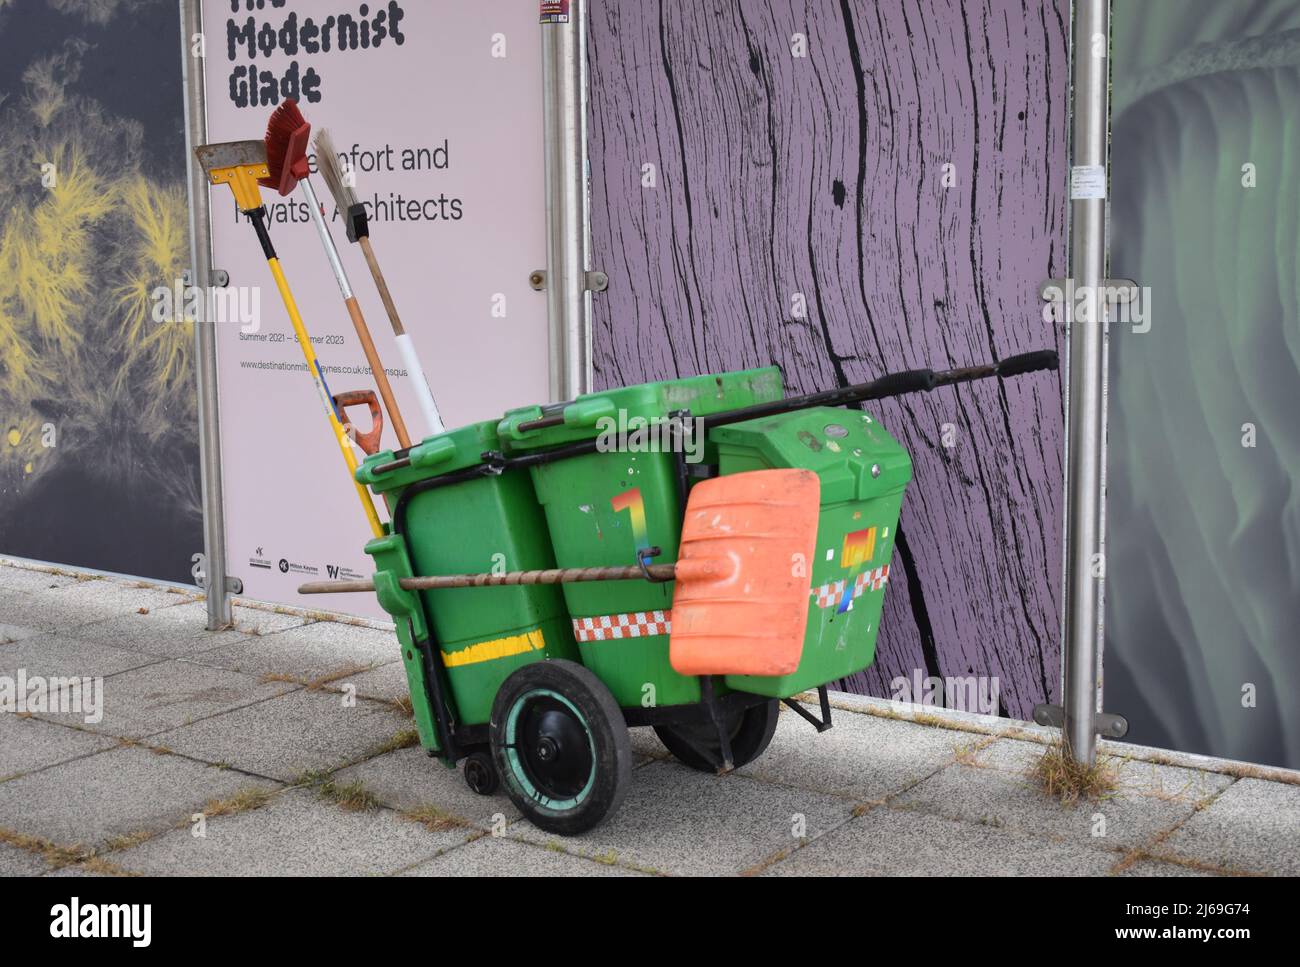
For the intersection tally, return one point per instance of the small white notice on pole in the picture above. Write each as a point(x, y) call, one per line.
point(1087, 181)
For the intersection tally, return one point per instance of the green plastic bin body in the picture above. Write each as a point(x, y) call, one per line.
point(602, 507)
point(863, 473)
point(483, 524)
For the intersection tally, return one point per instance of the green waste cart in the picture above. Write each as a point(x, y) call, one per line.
point(550, 680)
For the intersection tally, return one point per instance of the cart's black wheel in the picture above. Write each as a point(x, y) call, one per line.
point(481, 773)
point(697, 746)
point(561, 746)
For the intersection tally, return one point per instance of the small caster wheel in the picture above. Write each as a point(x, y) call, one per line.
point(481, 774)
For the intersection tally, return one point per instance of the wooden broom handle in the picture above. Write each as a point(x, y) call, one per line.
point(385, 296)
point(377, 368)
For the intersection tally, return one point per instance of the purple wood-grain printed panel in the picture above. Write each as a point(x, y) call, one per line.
point(824, 176)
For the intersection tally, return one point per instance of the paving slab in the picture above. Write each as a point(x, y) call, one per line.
point(11, 633)
point(86, 601)
point(891, 842)
point(63, 656)
point(297, 834)
point(28, 579)
point(408, 779)
point(180, 631)
point(502, 856)
point(386, 683)
point(1015, 803)
point(308, 651)
point(168, 694)
point(1254, 826)
point(861, 757)
point(286, 736)
point(19, 862)
point(118, 792)
point(28, 744)
point(1132, 775)
point(678, 821)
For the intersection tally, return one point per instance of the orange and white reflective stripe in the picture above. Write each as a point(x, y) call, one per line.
point(829, 595)
point(634, 624)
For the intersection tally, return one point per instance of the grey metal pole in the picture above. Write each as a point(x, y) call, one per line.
point(564, 117)
point(205, 334)
point(1086, 440)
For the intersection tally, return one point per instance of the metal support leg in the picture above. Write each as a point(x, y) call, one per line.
point(215, 580)
point(1086, 419)
point(564, 101)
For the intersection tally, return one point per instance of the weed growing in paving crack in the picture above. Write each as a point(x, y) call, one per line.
point(434, 819)
point(245, 800)
point(1063, 777)
point(404, 739)
point(354, 797)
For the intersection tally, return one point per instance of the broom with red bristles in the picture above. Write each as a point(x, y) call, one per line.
point(286, 161)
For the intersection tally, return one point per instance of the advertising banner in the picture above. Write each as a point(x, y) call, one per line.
point(98, 451)
point(1203, 536)
point(434, 109)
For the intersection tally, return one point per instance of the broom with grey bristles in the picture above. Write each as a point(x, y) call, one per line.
point(358, 228)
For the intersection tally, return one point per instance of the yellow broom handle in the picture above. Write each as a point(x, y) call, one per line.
point(313, 367)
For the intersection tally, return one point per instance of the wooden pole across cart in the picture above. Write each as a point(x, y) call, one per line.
point(656, 572)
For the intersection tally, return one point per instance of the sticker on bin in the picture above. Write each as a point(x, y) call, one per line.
point(634, 624)
point(829, 595)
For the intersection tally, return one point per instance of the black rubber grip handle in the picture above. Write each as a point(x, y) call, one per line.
point(1029, 363)
point(908, 381)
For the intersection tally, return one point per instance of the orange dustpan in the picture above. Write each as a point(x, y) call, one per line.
point(740, 606)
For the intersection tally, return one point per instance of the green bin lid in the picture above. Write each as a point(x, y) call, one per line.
point(853, 454)
point(585, 417)
point(435, 456)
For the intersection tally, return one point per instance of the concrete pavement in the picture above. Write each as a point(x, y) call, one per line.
point(282, 746)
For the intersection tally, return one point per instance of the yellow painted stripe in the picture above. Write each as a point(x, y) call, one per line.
point(497, 648)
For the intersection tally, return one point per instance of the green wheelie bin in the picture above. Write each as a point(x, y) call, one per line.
point(449, 520)
point(864, 472)
point(606, 507)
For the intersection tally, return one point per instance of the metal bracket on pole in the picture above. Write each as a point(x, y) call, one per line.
point(198, 570)
point(1085, 500)
point(566, 279)
point(213, 561)
point(217, 278)
point(1106, 724)
point(596, 281)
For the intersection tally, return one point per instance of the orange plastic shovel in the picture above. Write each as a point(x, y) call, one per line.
point(741, 600)
point(740, 606)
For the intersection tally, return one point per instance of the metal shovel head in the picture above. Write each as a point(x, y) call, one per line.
point(740, 606)
point(230, 154)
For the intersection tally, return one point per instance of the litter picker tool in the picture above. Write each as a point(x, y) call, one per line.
point(741, 602)
point(241, 165)
point(286, 152)
point(358, 229)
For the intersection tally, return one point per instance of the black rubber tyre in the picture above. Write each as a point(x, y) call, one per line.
point(696, 745)
point(561, 746)
point(481, 773)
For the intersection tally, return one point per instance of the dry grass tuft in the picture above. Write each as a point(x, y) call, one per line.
point(354, 797)
point(1063, 777)
point(434, 819)
point(243, 801)
point(403, 739)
